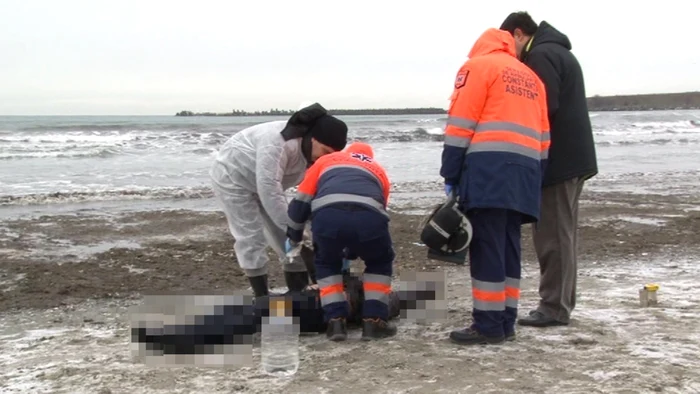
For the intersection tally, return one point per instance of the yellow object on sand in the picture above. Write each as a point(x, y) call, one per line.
point(279, 308)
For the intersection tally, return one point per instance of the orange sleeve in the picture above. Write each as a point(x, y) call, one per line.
point(466, 106)
point(386, 185)
point(307, 187)
point(299, 209)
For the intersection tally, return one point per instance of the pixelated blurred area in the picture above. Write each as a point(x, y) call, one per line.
point(194, 330)
point(423, 296)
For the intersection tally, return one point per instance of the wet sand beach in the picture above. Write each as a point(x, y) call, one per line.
point(67, 281)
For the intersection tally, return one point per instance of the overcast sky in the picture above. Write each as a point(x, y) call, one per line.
point(158, 57)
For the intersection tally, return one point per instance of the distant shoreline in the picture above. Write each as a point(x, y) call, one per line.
point(640, 102)
point(339, 112)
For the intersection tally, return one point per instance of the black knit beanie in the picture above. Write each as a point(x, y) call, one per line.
point(330, 131)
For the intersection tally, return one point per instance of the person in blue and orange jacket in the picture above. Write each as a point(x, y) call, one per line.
point(494, 155)
point(345, 195)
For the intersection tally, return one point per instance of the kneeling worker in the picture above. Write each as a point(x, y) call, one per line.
point(345, 194)
point(250, 175)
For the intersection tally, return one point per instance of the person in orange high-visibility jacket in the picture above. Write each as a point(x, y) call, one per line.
point(494, 155)
point(345, 195)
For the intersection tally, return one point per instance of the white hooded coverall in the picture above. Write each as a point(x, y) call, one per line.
point(250, 175)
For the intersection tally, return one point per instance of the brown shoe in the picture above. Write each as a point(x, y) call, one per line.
point(377, 329)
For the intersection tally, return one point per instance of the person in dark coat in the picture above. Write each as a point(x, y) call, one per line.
point(571, 162)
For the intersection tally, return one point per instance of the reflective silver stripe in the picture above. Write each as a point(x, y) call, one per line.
point(504, 147)
point(330, 281)
point(489, 306)
point(515, 284)
point(350, 166)
point(462, 123)
point(341, 197)
point(545, 152)
point(488, 286)
point(303, 197)
point(374, 278)
point(498, 287)
point(376, 296)
point(373, 294)
point(439, 229)
point(509, 126)
point(296, 226)
point(459, 142)
point(331, 298)
point(512, 282)
point(327, 282)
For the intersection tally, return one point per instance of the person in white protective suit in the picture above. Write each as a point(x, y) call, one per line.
point(250, 175)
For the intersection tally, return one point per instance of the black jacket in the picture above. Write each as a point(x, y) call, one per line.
point(572, 152)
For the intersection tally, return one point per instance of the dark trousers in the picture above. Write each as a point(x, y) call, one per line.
point(366, 233)
point(494, 255)
point(556, 239)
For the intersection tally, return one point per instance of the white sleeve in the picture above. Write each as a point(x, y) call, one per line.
point(271, 161)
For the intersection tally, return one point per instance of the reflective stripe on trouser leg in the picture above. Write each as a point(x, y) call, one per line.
point(512, 292)
point(487, 269)
point(377, 289)
point(489, 305)
point(513, 270)
point(512, 299)
point(333, 299)
point(489, 296)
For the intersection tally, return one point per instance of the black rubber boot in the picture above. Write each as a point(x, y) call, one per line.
point(337, 329)
point(470, 336)
point(296, 281)
point(259, 285)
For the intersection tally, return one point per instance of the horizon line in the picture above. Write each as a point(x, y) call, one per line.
point(171, 114)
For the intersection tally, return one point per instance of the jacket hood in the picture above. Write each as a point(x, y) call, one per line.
point(546, 33)
point(302, 121)
point(362, 148)
point(493, 40)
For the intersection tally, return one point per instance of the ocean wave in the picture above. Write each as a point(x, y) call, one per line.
point(413, 135)
point(61, 154)
point(656, 142)
point(106, 144)
point(196, 137)
point(107, 195)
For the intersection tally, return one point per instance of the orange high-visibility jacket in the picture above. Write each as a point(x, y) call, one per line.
point(349, 176)
point(497, 134)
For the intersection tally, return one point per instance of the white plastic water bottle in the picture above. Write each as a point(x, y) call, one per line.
point(279, 340)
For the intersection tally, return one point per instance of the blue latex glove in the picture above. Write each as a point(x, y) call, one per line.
point(288, 246)
point(346, 265)
point(448, 189)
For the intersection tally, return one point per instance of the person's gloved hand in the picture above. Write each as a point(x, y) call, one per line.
point(289, 245)
point(448, 189)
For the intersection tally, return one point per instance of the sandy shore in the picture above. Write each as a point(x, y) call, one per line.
point(66, 282)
